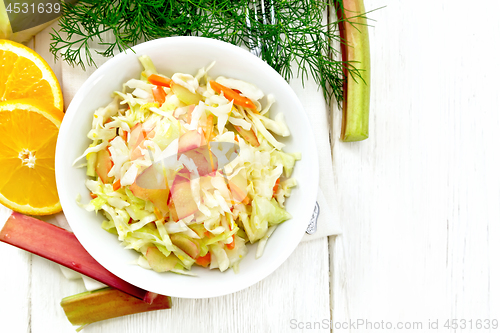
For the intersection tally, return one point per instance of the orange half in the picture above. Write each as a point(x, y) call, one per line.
point(27, 151)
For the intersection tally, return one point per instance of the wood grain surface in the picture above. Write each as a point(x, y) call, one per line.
point(420, 198)
point(419, 203)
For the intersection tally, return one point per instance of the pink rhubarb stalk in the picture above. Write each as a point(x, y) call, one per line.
point(62, 247)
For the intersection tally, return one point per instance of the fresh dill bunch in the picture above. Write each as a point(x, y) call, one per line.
point(296, 34)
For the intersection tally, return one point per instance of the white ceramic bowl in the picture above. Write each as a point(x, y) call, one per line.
point(186, 55)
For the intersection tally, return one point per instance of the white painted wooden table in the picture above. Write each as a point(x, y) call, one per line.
point(419, 203)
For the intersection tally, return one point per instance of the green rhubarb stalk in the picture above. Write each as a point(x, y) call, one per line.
point(62, 247)
point(355, 54)
point(93, 306)
point(5, 29)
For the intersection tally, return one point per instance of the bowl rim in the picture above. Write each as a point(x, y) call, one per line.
point(142, 49)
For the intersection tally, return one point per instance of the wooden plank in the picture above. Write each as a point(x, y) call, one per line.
point(15, 287)
point(419, 202)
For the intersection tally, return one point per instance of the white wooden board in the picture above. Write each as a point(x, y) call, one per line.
point(419, 202)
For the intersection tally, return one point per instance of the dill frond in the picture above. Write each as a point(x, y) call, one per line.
point(297, 35)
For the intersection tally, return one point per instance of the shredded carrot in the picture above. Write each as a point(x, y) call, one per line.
point(159, 95)
point(230, 94)
point(124, 135)
point(112, 163)
point(238, 193)
point(208, 129)
point(159, 80)
point(117, 185)
point(205, 260)
point(275, 188)
point(158, 214)
point(231, 245)
point(93, 195)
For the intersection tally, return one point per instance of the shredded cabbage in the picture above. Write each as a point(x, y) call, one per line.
point(191, 215)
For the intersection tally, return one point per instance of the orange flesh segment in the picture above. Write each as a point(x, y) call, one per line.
point(24, 74)
point(27, 154)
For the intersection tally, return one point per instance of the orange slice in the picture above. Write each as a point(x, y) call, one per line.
point(24, 74)
point(27, 150)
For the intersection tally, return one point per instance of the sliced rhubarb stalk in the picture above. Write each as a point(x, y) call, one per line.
point(157, 260)
point(248, 135)
point(62, 247)
point(104, 165)
point(138, 135)
point(181, 202)
point(93, 306)
point(191, 247)
point(206, 162)
point(355, 49)
point(189, 140)
point(184, 95)
point(154, 187)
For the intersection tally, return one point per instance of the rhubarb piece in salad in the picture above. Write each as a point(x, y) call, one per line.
point(159, 197)
point(104, 165)
point(93, 306)
point(190, 246)
point(248, 135)
point(185, 95)
point(189, 140)
point(181, 202)
point(62, 247)
point(158, 261)
point(152, 188)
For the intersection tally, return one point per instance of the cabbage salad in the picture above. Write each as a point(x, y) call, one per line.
point(187, 170)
